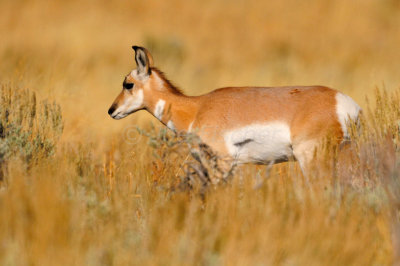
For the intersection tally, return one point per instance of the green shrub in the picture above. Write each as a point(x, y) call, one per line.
point(29, 129)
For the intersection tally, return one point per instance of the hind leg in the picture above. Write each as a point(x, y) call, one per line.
point(304, 153)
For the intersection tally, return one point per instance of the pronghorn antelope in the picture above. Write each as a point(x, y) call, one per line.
point(248, 124)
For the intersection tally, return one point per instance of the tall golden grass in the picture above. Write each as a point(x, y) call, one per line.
point(104, 196)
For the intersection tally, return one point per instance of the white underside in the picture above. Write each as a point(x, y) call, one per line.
point(260, 143)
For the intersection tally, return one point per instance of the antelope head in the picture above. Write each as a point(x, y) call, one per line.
point(136, 83)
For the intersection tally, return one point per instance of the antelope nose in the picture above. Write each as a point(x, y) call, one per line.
point(111, 110)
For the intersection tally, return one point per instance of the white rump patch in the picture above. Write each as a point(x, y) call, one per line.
point(260, 143)
point(171, 125)
point(346, 109)
point(158, 111)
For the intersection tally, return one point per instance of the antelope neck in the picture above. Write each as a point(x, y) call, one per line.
point(176, 111)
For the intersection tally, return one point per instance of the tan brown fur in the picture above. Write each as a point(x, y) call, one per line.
point(310, 113)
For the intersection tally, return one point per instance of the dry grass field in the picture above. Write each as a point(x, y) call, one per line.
point(78, 188)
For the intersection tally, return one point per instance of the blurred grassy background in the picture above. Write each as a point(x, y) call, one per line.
point(79, 51)
point(100, 200)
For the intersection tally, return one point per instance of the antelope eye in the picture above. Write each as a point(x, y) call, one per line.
point(128, 86)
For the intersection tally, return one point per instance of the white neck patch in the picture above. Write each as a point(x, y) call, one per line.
point(171, 125)
point(190, 127)
point(159, 109)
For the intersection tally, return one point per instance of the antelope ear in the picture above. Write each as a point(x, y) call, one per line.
point(144, 60)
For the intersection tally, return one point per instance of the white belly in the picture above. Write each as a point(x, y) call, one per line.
point(260, 143)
